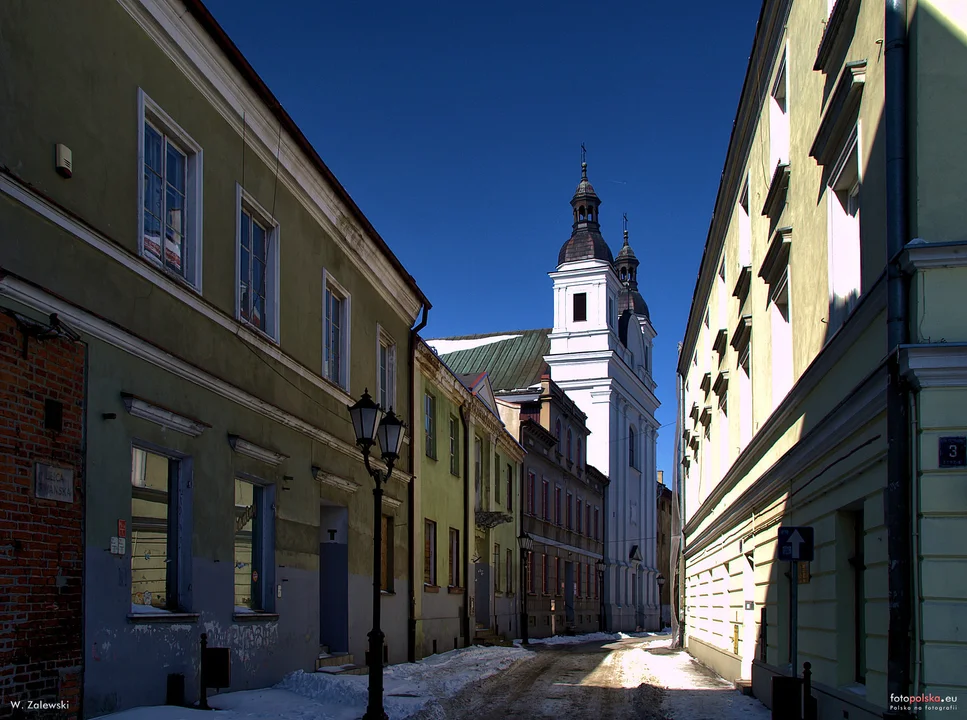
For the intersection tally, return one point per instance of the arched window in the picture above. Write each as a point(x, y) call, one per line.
point(569, 455)
point(632, 439)
point(581, 214)
point(557, 433)
point(578, 459)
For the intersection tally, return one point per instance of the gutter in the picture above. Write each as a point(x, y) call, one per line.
point(465, 619)
point(897, 500)
point(411, 490)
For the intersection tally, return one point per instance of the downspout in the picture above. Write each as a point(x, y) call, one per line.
point(465, 619)
point(915, 522)
point(898, 490)
point(411, 491)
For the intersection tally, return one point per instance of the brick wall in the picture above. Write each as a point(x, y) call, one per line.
point(40, 539)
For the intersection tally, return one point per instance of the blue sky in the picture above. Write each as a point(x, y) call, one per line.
point(457, 128)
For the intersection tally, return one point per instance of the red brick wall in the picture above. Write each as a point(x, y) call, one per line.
point(40, 540)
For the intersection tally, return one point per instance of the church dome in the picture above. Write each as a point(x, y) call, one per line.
point(632, 300)
point(586, 242)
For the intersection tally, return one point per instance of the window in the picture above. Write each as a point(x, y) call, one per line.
point(386, 556)
point(496, 478)
point(546, 499)
point(705, 321)
point(250, 547)
point(478, 470)
point(580, 307)
point(781, 341)
point(845, 267)
point(580, 568)
point(496, 568)
point(632, 441)
point(454, 446)
point(510, 487)
point(454, 575)
point(587, 520)
point(385, 370)
point(154, 532)
point(745, 227)
point(570, 456)
point(570, 503)
point(580, 505)
point(530, 571)
point(779, 118)
point(509, 569)
point(858, 565)
point(257, 269)
point(610, 311)
point(579, 453)
point(429, 424)
point(545, 577)
point(170, 207)
point(531, 482)
point(429, 553)
point(597, 536)
point(557, 506)
point(559, 583)
point(745, 396)
point(336, 339)
point(557, 434)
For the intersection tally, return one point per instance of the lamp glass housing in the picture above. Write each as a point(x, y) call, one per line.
point(390, 434)
point(526, 542)
point(365, 415)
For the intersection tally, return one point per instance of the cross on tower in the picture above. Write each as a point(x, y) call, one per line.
point(584, 154)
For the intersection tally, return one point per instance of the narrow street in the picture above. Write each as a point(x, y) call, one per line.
point(630, 678)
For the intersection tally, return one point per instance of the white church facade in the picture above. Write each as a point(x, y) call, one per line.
point(599, 351)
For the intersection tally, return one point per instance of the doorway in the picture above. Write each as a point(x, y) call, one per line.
point(334, 578)
point(569, 592)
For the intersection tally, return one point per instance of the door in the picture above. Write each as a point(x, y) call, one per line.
point(748, 625)
point(334, 578)
point(569, 592)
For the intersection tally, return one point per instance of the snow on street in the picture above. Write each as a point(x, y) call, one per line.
point(606, 676)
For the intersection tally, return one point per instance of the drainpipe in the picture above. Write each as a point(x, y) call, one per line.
point(898, 494)
point(465, 620)
point(411, 490)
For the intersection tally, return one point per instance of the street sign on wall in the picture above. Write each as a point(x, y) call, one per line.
point(796, 544)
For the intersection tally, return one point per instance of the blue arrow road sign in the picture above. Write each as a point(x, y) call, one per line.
point(796, 544)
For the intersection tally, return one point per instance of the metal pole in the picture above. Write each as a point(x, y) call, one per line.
point(375, 710)
point(794, 632)
point(523, 597)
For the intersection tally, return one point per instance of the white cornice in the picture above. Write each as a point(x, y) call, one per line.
point(340, 483)
point(392, 502)
point(157, 278)
point(139, 408)
point(921, 255)
point(111, 334)
point(197, 56)
point(938, 365)
point(257, 452)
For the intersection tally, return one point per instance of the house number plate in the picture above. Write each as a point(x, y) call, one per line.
point(953, 452)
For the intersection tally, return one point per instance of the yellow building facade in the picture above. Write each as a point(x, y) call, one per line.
point(823, 373)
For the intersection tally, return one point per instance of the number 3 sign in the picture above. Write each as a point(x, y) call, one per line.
point(953, 452)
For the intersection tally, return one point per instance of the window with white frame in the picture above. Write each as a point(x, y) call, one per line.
point(779, 116)
point(723, 431)
point(845, 270)
point(336, 331)
point(257, 268)
point(745, 227)
point(385, 370)
point(170, 208)
point(781, 321)
point(722, 300)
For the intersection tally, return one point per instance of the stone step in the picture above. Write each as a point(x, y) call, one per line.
point(333, 660)
point(744, 687)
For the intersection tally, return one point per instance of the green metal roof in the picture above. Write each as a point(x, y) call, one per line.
point(512, 364)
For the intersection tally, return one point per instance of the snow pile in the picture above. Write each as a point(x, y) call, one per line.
point(407, 689)
point(589, 637)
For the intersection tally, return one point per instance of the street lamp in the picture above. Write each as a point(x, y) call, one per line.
point(600, 565)
point(661, 617)
point(526, 543)
point(370, 426)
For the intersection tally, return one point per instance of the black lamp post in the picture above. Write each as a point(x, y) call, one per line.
point(526, 543)
point(600, 566)
point(661, 618)
point(370, 425)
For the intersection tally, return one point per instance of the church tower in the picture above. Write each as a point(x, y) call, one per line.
point(601, 356)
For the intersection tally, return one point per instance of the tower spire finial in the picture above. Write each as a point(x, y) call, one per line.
point(584, 162)
point(625, 218)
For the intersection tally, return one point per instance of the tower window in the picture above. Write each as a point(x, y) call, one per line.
point(580, 307)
